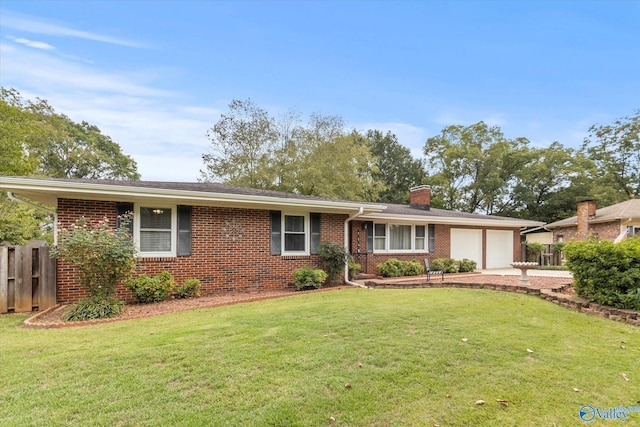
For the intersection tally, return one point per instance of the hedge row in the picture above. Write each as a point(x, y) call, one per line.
point(605, 272)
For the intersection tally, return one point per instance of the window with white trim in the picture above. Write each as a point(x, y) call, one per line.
point(294, 233)
point(399, 238)
point(420, 238)
point(380, 237)
point(155, 230)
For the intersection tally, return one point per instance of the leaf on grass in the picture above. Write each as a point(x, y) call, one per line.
point(529, 350)
point(464, 340)
point(479, 402)
point(448, 396)
point(502, 402)
point(347, 385)
point(576, 390)
point(626, 378)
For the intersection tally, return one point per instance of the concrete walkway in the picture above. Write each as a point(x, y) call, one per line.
point(531, 273)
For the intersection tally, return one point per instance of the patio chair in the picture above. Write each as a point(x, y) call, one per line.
point(431, 272)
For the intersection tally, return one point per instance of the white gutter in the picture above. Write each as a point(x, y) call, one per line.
point(102, 191)
point(346, 246)
point(40, 208)
point(484, 222)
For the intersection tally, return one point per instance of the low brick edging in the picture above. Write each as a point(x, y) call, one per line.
point(583, 305)
point(554, 294)
point(436, 284)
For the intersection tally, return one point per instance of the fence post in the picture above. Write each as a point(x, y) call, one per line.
point(24, 287)
point(4, 279)
point(47, 280)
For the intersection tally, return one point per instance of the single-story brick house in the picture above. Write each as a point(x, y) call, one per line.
point(614, 222)
point(241, 239)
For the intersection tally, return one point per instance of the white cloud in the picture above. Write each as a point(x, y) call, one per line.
point(37, 26)
point(45, 72)
point(174, 168)
point(31, 43)
point(164, 133)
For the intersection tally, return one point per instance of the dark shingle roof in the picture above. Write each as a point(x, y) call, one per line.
point(623, 210)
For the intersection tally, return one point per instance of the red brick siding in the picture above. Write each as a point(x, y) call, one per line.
point(442, 246)
point(420, 197)
point(603, 230)
point(230, 250)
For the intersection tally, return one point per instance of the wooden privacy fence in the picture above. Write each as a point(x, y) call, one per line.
point(27, 278)
point(548, 256)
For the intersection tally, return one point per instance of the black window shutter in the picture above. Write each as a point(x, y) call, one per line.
point(184, 230)
point(276, 232)
point(315, 232)
point(432, 238)
point(368, 227)
point(121, 209)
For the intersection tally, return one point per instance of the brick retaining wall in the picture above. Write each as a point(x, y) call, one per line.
point(554, 295)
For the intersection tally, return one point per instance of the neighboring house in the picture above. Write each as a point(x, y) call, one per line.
point(538, 235)
point(240, 239)
point(614, 222)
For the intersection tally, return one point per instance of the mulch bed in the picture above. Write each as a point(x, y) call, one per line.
point(52, 318)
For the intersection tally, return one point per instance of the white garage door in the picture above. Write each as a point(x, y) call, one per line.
point(499, 248)
point(466, 244)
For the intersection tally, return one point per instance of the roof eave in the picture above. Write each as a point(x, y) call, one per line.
point(480, 222)
point(48, 192)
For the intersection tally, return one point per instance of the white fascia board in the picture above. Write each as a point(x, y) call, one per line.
point(478, 222)
point(45, 190)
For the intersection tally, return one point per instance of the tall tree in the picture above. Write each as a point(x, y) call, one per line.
point(18, 129)
point(35, 140)
point(473, 168)
point(550, 183)
point(243, 144)
point(251, 148)
point(340, 167)
point(41, 141)
point(397, 170)
point(615, 149)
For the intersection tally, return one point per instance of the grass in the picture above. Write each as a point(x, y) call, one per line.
point(411, 357)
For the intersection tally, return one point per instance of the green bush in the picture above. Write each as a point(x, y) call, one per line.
point(94, 308)
point(631, 300)
point(189, 289)
point(466, 265)
point(101, 256)
point(605, 272)
point(309, 278)
point(333, 258)
point(534, 249)
point(151, 289)
point(448, 265)
point(412, 268)
point(390, 268)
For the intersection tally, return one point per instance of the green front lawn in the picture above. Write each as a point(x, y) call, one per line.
point(364, 357)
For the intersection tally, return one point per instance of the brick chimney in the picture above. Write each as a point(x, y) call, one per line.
point(586, 211)
point(420, 197)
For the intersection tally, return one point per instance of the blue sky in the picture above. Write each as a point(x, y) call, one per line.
point(155, 75)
